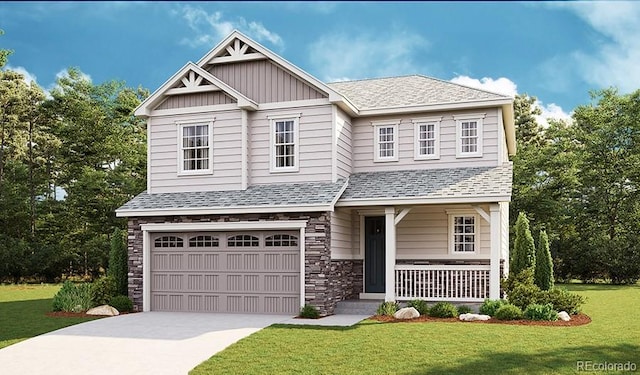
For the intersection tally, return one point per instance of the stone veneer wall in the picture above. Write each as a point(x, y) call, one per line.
point(323, 278)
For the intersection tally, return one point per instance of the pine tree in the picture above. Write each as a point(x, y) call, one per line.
point(543, 275)
point(524, 250)
point(118, 262)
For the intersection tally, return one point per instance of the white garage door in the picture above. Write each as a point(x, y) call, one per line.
point(243, 272)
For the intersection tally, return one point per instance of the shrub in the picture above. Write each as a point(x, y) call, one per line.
point(118, 257)
point(73, 297)
point(103, 289)
point(508, 312)
point(464, 310)
point(443, 310)
point(121, 303)
point(309, 312)
point(540, 312)
point(563, 300)
point(490, 306)
point(387, 308)
point(543, 274)
point(419, 305)
point(523, 255)
point(520, 289)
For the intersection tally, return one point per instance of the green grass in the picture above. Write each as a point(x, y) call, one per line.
point(23, 311)
point(444, 348)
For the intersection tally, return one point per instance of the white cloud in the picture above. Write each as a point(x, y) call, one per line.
point(64, 73)
point(501, 85)
point(210, 28)
point(506, 86)
point(28, 77)
point(342, 56)
point(617, 55)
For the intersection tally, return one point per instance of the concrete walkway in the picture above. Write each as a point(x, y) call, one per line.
point(144, 343)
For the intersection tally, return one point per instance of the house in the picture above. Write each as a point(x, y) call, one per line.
point(268, 189)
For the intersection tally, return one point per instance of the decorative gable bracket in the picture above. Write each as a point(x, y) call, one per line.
point(235, 51)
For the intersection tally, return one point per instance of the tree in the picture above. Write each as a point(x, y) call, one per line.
point(118, 261)
point(523, 256)
point(543, 274)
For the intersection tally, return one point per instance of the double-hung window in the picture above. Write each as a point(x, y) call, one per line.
point(469, 135)
point(385, 136)
point(284, 144)
point(463, 233)
point(426, 138)
point(196, 154)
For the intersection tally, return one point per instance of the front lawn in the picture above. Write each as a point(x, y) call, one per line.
point(23, 310)
point(444, 348)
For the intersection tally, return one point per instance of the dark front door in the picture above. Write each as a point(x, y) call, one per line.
point(374, 254)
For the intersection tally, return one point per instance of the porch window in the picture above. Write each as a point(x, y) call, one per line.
point(426, 138)
point(464, 234)
point(469, 135)
point(284, 144)
point(385, 137)
point(195, 154)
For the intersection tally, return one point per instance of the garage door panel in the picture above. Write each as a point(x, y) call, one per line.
point(258, 272)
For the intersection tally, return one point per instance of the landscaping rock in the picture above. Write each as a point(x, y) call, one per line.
point(473, 317)
point(562, 315)
point(406, 313)
point(104, 310)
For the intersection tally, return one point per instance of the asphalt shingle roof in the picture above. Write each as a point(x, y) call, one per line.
point(313, 193)
point(431, 183)
point(408, 91)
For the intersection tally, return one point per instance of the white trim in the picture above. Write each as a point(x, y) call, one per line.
point(402, 214)
point(180, 125)
point(223, 226)
point(481, 103)
point(494, 272)
point(390, 254)
point(342, 189)
point(450, 232)
point(483, 213)
point(192, 90)
point(417, 122)
point(194, 110)
point(479, 120)
point(221, 210)
point(146, 271)
point(502, 143)
point(244, 158)
point(376, 141)
point(448, 267)
point(334, 143)
point(420, 200)
point(302, 261)
point(148, 121)
point(295, 103)
point(273, 119)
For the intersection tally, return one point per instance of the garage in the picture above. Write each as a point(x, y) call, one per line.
point(225, 272)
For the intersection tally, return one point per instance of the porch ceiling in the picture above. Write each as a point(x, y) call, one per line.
point(476, 184)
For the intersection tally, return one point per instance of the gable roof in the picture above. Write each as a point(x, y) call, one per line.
point(213, 83)
point(446, 185)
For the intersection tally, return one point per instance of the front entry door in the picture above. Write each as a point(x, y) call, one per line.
point(374, 244)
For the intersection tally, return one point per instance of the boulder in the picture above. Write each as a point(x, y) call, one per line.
point(473, 317)
point(104, 310)
point(406, 313)
point(562, 315)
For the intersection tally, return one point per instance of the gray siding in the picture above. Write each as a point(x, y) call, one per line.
point(163, 163)
point(196, 100)
point(314, 150)
point(341, 234)
point(363, 145)
point(264, 82)
point(344, 142)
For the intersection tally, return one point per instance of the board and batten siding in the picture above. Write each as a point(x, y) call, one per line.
point(343, 143)
point(363, 143)
point(314, 146)
point(263, 81)
point(163, 153)
point(196, 100)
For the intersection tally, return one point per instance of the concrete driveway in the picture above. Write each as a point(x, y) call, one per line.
point(142, 343)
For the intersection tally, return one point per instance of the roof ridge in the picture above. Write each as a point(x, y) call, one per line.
point(465, 86)
point(374, 79)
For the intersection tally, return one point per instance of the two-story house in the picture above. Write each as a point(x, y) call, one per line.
point(268, 189)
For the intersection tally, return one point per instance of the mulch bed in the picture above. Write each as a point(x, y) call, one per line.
point(576, 320)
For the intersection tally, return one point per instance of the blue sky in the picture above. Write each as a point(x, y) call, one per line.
point(554, 51)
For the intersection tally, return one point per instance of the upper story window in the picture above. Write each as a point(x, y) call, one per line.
point(464, 233)
point(196, 148)
point(284, 143)
point(427, 138)
point(385, 137)
point(469, 135)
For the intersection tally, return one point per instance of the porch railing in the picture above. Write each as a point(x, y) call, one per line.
point(457, 283)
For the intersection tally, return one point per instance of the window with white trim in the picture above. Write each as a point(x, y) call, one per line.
point(427, 138)
point(196, 153)
point(284, 144)
point(469, 135)
point(463, 232)
point(386, 142)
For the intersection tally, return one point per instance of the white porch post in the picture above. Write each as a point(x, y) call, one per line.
point(390, 254)
point(494, 271)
